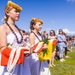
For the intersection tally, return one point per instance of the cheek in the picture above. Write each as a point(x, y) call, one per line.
point(12, 15)
point(40, 26)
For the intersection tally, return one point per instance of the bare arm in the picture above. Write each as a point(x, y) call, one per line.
point(3, 41)
point(32, 39)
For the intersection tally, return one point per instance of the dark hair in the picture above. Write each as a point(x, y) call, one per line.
point(52, 31)
point(23, 31)
point(60, 30)
point(31, 24)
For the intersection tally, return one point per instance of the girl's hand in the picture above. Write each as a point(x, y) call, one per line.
point(27, 53)
point(45, 46)
point(31, 50)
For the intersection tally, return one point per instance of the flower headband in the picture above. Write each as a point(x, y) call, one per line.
point(10, 3)
point(37, 20)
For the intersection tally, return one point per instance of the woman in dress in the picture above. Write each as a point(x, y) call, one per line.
point(52, 37)
point(37, 67)
point(11, 34)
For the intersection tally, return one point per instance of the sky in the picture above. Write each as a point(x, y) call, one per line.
point(56, 14)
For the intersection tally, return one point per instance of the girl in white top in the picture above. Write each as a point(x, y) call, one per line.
point(37, 67)
point(52, 37)
point(10, 33)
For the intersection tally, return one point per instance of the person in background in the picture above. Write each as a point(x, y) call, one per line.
point(66, 44)
point(37, 67)
point(52, 37)
point(44, 35)
point(61, 44)
point(25, 36)
point(73, 41)
point(11, 34)
point(69, 47)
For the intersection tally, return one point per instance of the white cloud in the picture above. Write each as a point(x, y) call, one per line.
point(71, 1)
point(68, 32)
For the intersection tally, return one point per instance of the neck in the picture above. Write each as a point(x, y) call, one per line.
point(35, 31)
point(10, 22)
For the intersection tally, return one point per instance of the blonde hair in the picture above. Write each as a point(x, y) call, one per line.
point(34, 21)
point(7, 9)
point(16, 6)
point(10, 5)
point(37, 20)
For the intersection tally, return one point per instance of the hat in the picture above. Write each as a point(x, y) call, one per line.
point(10, 3)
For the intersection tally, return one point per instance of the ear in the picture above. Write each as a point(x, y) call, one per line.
point(34, 26)
point(7, 13)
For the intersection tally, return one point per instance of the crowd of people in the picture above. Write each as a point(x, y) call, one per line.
point(64, 44)
point(17, 53)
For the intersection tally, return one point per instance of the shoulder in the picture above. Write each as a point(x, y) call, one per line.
point(55, 36)
point(2, 28)
point(59, 35)
point(3, 33)
point(32, 36)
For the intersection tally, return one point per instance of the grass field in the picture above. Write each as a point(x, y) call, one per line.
point(65, 68)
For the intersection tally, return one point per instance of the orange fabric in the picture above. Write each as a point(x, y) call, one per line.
point(54, 42)
point(40, 49)
point(34, 47)
point(6, 54)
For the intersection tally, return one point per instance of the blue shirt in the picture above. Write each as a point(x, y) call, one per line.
point(60, 38)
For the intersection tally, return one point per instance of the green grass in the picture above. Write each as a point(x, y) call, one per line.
point(65, 68)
